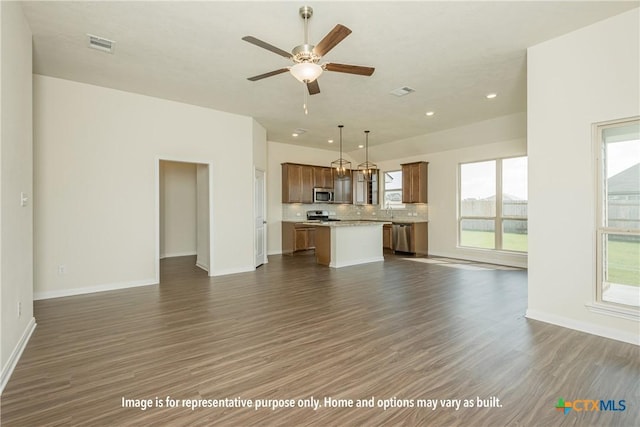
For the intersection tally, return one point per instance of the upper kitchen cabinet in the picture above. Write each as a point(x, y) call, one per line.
point(365, 192)
point(322, 177)
point(342, 189)
point(297, 183)
point(414, 182)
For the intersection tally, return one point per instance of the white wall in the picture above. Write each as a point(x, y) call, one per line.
point(443, 179)
point(202, 217)
point(278, 153)
point(503, 128)
point(96, 152)
point(584, 77)
point(259, 146)
point(16, 171)
point(177, 209)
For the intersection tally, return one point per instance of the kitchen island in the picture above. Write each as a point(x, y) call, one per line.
point(345, 243)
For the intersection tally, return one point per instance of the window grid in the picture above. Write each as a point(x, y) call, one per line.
point(497, 219)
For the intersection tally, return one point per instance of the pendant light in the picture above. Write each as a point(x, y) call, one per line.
point(341, 168)
point(367, 168)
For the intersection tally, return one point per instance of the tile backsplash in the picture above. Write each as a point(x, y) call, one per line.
point(411, 213)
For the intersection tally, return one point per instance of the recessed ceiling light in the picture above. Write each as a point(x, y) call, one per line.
point(491, 95)
point(330, 141)
point(360, 146)
point(294, 134)
point(429, 113)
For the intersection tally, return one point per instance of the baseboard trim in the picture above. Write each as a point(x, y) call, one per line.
point(589, 328)
point(7, 370)
point(173, 255)
point(510, 259)
point(231, 271)
point(202, 266)
point(91, 289)
point(333, 264)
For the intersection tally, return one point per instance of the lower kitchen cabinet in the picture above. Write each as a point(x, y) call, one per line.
point(420, 243)
point(305, 238)
point(410, 237)
point(297, 237)
point(387, 234)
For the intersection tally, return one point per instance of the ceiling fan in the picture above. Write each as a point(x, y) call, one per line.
point(306, 57)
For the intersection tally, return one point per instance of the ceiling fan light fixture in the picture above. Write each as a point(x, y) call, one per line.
point(306, 72)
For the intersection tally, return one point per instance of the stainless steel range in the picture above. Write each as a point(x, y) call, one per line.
point(319, 216)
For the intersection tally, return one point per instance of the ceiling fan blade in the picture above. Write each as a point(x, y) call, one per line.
point(313, 87)
point(329, 41)
point(269, 74)
point(351, 69)
point(267, 46)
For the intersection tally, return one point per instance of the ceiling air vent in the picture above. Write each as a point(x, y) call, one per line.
point(101, 43)
point(402, 91)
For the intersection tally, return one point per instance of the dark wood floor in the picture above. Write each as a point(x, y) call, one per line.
point(293, 330)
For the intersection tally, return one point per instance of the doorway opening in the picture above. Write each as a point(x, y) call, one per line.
point(183, 213)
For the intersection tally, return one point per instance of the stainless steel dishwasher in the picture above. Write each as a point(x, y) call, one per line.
point(401, 237)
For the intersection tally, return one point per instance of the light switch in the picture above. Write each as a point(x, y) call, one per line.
point(24, 199)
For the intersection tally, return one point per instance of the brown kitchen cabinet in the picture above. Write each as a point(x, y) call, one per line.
point(365, 192)
point(297, 183)
point(297, 237)
point(342, 189)
point(387, 242)
point(414, 182)
point(420, 241)
point(322, 177)
point(305, 238)
point(411, 237)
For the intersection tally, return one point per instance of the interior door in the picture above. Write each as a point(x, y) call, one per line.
point(260, 222)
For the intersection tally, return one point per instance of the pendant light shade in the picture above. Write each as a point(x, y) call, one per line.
point(367, 168)
point(341, 168)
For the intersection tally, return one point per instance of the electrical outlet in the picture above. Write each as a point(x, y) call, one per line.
point(19, 309)
point(62, 269)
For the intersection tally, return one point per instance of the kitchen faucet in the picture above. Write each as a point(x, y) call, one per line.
point(389, 211)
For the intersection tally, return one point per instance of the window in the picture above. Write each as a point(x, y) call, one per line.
point(618, 216)
point(493, 205)
point(393, 190)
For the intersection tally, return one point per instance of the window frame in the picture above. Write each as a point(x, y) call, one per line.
point(383, 202)
point(499, 217)
point(600, 305)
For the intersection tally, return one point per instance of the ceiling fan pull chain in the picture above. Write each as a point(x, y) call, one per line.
point(304, 103)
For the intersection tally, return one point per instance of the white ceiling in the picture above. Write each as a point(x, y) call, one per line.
point(451, 53)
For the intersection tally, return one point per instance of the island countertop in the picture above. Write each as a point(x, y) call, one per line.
point(346, 223)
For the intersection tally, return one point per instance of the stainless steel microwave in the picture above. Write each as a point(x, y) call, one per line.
point(322, 195)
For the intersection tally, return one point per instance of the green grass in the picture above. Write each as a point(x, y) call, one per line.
point(486, 239)
point(624, 262)
point(624, 257)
